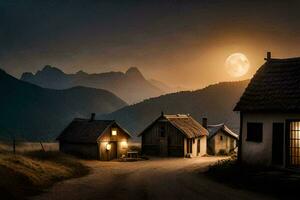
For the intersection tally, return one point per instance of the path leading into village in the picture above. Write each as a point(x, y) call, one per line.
point(170, 178)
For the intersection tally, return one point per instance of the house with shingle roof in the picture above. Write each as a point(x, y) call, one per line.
point(94, 139)
point(174, 135)
point(270, 115)
point(221, 139)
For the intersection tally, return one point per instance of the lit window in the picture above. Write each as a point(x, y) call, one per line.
point(114, 132)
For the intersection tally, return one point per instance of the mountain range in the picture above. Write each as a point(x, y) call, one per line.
point(31, 112)
point(130, 86)
point(216, 102)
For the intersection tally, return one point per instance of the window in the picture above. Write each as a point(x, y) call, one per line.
point(254, 132)
point(162, 131)
point(294, 143)
point(221, 137)
point(114, 132)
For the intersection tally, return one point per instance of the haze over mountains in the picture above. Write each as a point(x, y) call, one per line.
point(130, 86)
point(32, 113)
point(216, 102)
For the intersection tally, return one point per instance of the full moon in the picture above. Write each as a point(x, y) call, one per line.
point(237, 65)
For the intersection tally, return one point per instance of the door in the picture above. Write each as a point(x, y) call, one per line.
point(277, 143)
point(112, 153)
point(163, 146)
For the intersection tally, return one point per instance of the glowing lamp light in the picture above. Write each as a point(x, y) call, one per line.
point(114, 132)
point(124, 145)
point(108, 147)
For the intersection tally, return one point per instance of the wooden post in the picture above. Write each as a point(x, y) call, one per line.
point(42, 146)
point(14, 145)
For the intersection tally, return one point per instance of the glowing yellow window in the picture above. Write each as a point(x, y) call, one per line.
point(114, 132)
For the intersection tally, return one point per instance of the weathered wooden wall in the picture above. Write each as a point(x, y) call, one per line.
point(118, 143)
point(172, 144)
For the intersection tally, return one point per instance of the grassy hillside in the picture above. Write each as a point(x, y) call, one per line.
point(32, 113)
point(28, 174)
point(215, 102)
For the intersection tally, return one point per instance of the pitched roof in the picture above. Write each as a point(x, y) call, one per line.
point(184, 123)
point(274, 87)
point(213, 130)
point(85, 130)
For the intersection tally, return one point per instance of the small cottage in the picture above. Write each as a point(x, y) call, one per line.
point(270, 115)
point(94, 139)
point(221, 140)
point(174, 135)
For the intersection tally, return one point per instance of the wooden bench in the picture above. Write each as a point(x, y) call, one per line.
point(132, 154)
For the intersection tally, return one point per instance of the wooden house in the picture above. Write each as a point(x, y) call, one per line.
point(94, 139)
point(270, 115)
point(221, 140)
point(174, 135)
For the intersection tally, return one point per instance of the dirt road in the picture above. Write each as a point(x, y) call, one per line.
point(153, 179)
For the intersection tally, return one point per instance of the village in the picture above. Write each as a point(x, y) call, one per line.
point(267, 139)
point(149, 100)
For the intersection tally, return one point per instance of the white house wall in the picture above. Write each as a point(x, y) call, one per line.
point(261, 153)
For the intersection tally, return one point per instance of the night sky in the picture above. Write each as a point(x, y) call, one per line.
point(179, 42)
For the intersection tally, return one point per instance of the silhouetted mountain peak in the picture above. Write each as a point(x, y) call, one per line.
point(27, 76)
point(134, 72)
point(81, 73)
point(48, 69)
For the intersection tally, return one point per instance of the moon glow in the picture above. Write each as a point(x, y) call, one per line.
point(237, 65)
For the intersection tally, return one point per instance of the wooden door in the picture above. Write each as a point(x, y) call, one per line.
point(112, 153)
point(163, 146)
point(198, 146)
point(277, 143)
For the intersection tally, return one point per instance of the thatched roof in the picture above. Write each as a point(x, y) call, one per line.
point(184, 123)
point(86, 130)
point(214, 129)
point(274, 87)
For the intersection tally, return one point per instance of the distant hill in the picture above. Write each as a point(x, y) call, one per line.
point(164, 87)
point(130, 86)
point(32, 112)
point(215, 102)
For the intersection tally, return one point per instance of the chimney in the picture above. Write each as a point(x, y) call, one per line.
point(204, 122)
point(269, 56)
point(92, 117)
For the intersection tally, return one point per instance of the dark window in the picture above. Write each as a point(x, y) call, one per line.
point(254, 132)
point(221, 137)
point(162, 131)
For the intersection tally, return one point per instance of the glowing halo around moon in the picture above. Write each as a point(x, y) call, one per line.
point(237, 65)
